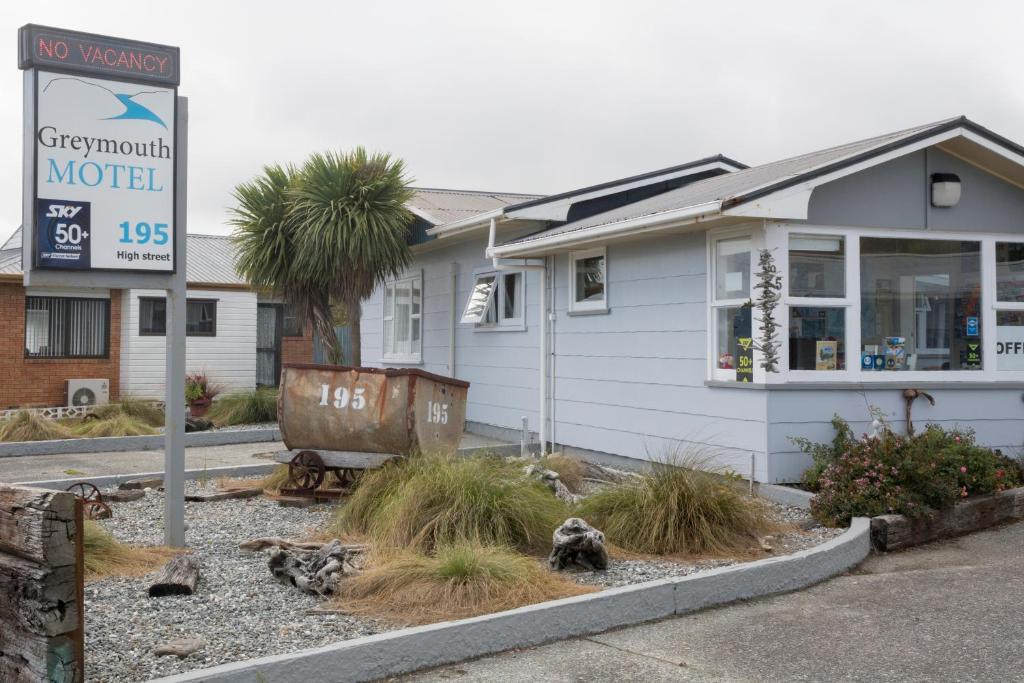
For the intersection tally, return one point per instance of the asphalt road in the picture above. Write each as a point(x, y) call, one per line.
point(949, 611)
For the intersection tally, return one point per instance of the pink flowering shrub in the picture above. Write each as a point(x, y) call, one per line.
point(897, 474)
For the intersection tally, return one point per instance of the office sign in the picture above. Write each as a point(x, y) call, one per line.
point(1010, 347)
point(104, 152)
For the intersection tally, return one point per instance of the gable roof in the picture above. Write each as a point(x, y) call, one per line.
point(211, 259)
point(438, 206)
point(720, 193)
point(672, 171)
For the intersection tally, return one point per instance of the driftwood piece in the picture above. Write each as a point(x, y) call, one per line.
point(142, 483)
point(223, 495)
point(578, 543)
point(313, 571)
point(41, 620)
point(180, 648)
point(125, 496)
point(178, 577)
point(551, 479)
point(893, 532)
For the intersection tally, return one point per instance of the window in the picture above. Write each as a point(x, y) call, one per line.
point(66, 327)
point(496, 301)
point(817, 338)
point(200, 317)
point(1010, 271)
point(732, 269)
point(817, 266)
point(588, 271)
point(732, 316)
point(291, 322)
point(920, 304)
point(402, 319)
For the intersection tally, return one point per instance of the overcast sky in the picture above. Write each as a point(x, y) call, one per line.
point(543, 96)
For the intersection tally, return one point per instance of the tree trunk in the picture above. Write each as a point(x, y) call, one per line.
point(323, 323)
point(355, 326)
point(179, 577)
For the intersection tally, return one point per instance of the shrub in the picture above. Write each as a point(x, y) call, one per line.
point(430, 500)
point(198, 386)
point(29, 426)
point(459, 581)
point(244, 407)
point(677, 507)
point(145, 411)
point(911, 476)
point(118, 424)
point(106, 556)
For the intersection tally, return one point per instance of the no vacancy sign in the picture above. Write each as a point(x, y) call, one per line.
point(104, 152)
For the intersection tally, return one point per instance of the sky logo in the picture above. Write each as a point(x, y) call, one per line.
point(132, 109)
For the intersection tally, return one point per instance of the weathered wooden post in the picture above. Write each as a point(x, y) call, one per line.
point(41, 586)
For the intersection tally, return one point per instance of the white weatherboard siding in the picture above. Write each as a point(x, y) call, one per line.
point(630, 382)
point(501, 366)
point(228, 359)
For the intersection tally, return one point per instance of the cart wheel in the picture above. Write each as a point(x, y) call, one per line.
point(93, 506)
point(306, 471)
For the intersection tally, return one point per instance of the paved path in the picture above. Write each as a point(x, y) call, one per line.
point(950, 611)
point(46, 467)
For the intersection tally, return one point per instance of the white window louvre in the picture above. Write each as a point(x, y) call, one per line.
point(479, 298)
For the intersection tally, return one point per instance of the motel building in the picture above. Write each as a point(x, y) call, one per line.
point(616, 318)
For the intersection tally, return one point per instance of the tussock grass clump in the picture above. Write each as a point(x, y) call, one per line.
point(570, 470)
point(118, 424)
point(244, 407)
point(458, 581)
point(106, 556)
point(428, 501)
point(140, 409)
point(28, 426)
point(677, 508)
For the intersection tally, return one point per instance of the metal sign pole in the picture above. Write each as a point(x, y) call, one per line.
point(174, 407)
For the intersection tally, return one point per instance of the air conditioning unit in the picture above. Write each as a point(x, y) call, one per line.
point(88, 392)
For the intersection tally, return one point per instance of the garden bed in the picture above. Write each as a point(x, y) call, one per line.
point(241, 612)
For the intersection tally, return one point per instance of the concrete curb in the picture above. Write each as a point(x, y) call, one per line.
point(114, 479)
point(785, 495)
point(107, 444)
point(398, 652)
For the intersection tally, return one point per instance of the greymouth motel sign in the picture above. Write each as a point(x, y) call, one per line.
point(105, 147)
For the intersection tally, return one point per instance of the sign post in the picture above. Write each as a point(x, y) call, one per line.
point(105, 138)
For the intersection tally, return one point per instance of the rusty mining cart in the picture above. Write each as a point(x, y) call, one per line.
point(339, 421)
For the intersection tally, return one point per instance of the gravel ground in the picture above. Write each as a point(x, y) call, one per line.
point(241, 612)
point(238, 608)
point(804, 533)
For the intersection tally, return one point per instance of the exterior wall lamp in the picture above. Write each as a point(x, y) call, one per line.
point(945, 189)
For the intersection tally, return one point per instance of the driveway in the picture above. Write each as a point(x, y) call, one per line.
point(952, 610)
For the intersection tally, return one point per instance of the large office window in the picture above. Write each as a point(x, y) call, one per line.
point(58, 327)
point(921, 303)
point(200, 317)
point(403, 315)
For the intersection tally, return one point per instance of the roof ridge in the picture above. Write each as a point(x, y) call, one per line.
point(474, 192)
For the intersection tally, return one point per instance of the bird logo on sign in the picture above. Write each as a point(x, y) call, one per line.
point(132, 109)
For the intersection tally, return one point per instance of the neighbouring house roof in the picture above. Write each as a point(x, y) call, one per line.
point(211, 259)
point(733, 189)
point(438, 207)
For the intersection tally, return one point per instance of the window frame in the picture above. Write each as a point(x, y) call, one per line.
point(756, 237)
point(189, 300)
point(415, 357)
point(496, 301)
point(776, 236)
point(588, 307)
point(67, 329)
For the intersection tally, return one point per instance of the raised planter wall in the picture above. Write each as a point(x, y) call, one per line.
point(893, 532)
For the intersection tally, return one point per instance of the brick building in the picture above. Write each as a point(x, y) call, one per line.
point(238, 337)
